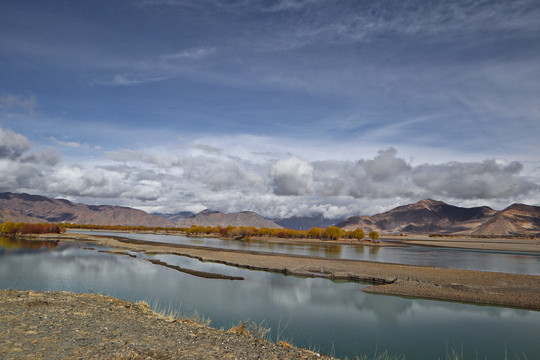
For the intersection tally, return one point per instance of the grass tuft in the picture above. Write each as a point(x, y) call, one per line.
point(380, 356)
point(252, 329)
point(171, 313)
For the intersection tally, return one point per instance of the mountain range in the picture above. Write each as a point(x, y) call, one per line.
point(426, 216)
point(431, 216)
point(36, 208)
point(305, 222)
point(215, 218)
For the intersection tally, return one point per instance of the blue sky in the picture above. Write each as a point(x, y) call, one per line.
point(291, 107)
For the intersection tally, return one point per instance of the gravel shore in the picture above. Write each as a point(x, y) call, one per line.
point(62, 325)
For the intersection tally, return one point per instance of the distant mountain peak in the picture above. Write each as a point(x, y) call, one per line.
point(433, 216)
point(522, 207)
point(216, 218)
point(429, 203)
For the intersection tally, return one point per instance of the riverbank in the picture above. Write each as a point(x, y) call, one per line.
point(62, 325)
point(265, 239)
point(494, 244)
point(512, 290)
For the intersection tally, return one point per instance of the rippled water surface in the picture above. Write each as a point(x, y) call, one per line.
point(314, 313)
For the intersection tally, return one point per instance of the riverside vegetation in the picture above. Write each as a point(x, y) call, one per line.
point(452, 283)
point(235, 232)
point(12, 228)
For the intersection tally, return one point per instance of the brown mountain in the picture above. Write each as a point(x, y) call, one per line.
point(517, 219)
point(213, 218)
point(35, 208)
point(426, 216)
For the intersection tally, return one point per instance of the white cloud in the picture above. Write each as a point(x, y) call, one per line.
point(132, 79)
point(277, 185)
point(190, 54)
point(12, 145)
point(292, 176)
point(72, 144)
point(208, 149)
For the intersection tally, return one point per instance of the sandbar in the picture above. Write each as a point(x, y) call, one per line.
point(471, 286)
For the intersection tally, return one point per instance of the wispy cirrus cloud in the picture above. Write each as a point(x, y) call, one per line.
point(156, 68)
point(190, 54)
point(284, 106)
point(16, 104)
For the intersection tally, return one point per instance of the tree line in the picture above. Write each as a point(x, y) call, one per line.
point(13, 228)
point(237, 232)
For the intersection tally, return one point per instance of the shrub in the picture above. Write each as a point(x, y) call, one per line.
point(291, 233)
point(333, 233)
point(374, 236)
point(358, 234)
point(22, 228)
point(315, 233)
point(7, 227)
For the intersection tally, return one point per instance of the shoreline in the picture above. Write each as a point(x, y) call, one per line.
point(271, 239)
point(66, 325)
point(471, 286)
point(495, 243)
point(525, 245)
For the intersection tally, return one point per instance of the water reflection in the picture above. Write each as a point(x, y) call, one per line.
point(333, 251)
point(318, 312)
point(520, 263)
point(8, 243)
point(374, 252)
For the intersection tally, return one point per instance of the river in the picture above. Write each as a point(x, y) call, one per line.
point(333, 317)
point(508, 262)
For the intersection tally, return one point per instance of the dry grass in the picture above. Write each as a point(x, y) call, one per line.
point(252, 329)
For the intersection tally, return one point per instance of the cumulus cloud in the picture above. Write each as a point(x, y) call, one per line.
point(486, 180)
point(292, 176)
point(22, 168)
point(387, 175)
point(203, 176)
point(12, 145)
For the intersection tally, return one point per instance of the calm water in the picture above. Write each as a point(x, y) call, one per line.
point(316, 313)
point(520, 263)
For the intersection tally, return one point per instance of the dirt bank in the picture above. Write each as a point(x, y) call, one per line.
point(514, 290)
point(61, 325)
point(495, 244)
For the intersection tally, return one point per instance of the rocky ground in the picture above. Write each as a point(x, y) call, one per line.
point(61, 325)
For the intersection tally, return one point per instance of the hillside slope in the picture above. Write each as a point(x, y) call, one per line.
point(517, 219)
point(35, 208)
point(212, 218)
point(426, 216)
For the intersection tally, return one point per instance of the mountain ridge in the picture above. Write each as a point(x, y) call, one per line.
point(37, 208)
point(425, 216)
point(215, 218)
point(433, 216)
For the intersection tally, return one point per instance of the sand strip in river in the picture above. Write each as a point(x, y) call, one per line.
point(513, 290)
